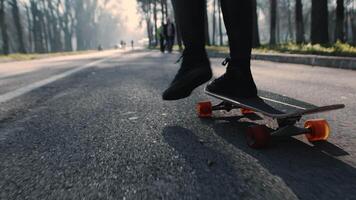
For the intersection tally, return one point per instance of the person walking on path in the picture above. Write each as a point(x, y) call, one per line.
point(195, 66)
point(170, 35)
point(161, 37)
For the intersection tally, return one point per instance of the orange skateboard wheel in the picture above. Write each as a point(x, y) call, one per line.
point(205, 109)
point(319, 130)
point(258, 136)
point(246, 111)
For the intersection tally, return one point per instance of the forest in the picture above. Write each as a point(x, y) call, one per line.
point(43, 26)
point(323, 22)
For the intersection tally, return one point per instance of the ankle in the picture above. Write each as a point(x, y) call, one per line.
point(195, 55)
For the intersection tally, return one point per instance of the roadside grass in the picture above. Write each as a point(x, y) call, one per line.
point(33, 56)
point(337, 49)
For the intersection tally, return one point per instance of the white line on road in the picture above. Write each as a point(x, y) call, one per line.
point(21, 91)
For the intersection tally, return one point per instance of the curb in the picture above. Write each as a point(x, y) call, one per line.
point(313, 60)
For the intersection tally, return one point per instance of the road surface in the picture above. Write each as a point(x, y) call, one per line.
point(94, 127)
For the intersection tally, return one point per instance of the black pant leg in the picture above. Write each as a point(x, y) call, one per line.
point(190, 16)
point(238, 22)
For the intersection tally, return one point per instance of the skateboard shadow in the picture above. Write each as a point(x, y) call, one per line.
point(311, 171)
point(213, 173)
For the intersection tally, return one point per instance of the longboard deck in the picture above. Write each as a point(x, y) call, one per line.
point(276, 106)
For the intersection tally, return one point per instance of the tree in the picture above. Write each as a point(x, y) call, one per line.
point(3, 26)
point(155, 21)
point(206, 22)
point(17, 19)
point(29, 29)
point(340, 17)
point(37, 28)
point(299, 22)
point(163, 12)
point(67, 25)
point(319, 22)
point(214, 22)
point(179, 35)
point(256, 35)
point(273, 26)
point(220, 24)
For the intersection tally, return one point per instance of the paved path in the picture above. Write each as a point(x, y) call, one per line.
point(104, 133)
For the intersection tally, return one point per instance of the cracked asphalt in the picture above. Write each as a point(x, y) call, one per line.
point(105, 133)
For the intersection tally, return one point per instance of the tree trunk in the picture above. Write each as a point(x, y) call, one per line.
point(289, 36)
point(273, 25)
point(220, 24)
point(299, 22)
point(353, 28)
point(319, 22)
point(30, 41)
point(3, 26)
point(340, 17)
point(36, 28)
point(17, 20)
point(66, 27)
point(54, 25)
point(155, 21)
point(80, 36)
point(166, 8)
point(179, 35)
point(206, 24)
point(214, 22)
point(256, 35)
point(162, 11)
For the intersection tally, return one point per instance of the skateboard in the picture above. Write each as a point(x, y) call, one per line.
point(284, 111)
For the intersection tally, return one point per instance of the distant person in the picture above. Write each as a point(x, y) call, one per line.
point(169, 35)
point(100, 47)
point(195, 68)
point(132, 44)
point(161, 37)
point(123, 44)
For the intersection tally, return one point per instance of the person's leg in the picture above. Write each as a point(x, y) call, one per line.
point(238, 79)
point(161, 40)
point(171, 44)
point(195, 67)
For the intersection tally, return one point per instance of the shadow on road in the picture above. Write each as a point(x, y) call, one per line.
point(215, 177)
point(312, 172)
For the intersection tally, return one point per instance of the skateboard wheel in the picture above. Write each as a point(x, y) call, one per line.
point(319, 130)
point(258, 136)
point(246, 111)
point(205, 109)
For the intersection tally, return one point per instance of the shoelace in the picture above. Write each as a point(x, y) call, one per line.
point(226, 61)
point(179, 59)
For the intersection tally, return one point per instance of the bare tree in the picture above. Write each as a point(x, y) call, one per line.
point(319, 23)
point(29, 29)
point(155, 21)
point(299, 22)
point(214, 22)
point(3, 26)
point(17, 19)
point(340, 17)
point(206, 24)
point(220, 24)
point(256, 35)
point(273, 26)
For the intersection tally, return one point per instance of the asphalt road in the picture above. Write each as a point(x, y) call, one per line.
point(104, 133)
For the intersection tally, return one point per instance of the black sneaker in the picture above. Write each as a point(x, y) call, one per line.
point(235, 83)
point(190, 75)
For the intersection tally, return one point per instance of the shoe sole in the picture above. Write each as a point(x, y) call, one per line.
point(188, 84)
